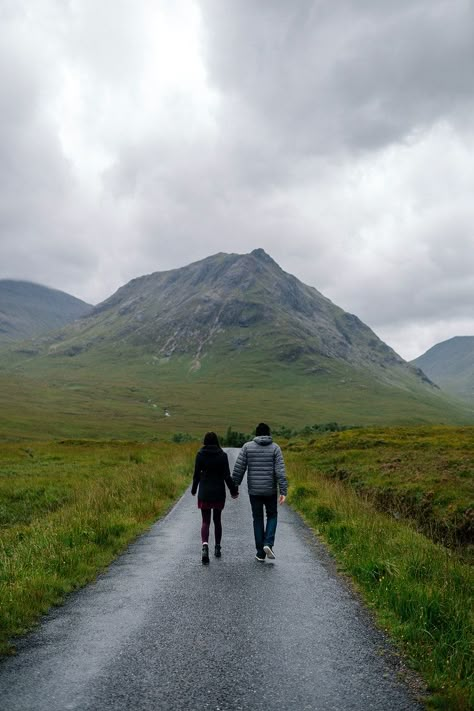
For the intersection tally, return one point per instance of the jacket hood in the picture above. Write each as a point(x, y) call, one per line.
point(210, 449)
point(263, 440)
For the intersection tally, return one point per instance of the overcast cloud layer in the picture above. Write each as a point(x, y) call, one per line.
point(141, 135)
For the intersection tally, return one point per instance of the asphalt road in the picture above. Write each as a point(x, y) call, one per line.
point(160, 631)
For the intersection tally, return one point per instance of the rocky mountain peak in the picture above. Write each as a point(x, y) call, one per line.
point(244, 299)
point(260, 254)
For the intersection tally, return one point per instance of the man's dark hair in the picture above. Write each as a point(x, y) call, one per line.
point(262, 429)
point(211, 438)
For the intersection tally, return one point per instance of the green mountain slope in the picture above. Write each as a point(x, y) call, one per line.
point(28, 310)
point(228, 340)
point(451, 365)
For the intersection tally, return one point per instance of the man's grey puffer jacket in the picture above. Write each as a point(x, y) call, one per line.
point(263, 459)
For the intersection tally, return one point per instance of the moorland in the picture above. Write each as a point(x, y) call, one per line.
point(395, 506)
point(69, 507)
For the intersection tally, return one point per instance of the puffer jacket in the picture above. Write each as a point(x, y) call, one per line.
point(211, 474)
point(263, 460)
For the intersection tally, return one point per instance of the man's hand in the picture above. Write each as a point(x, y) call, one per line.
point(282, 498)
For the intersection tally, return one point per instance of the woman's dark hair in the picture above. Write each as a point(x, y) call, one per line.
point(262, 429)
point(211, 438)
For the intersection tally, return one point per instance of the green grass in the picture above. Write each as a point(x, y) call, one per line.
point(420, 591)
point(425, 474)
point(123, 393)
point(67, 509)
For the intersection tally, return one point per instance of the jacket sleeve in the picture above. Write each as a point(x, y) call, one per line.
point(280, 471)
point(240, 466)
point(227, 477)
point(197, 474)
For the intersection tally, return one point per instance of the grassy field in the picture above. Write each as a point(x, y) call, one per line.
point(425, 474)
point(123, 395)
point(420, 590)
point(67, 509)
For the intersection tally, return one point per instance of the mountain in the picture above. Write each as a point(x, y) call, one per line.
point(27, 310)
point(229, 304)
point(229, 340)
point(451, 365)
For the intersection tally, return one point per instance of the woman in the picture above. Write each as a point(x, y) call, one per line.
point(211, 473)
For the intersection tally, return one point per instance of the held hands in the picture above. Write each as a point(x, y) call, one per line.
point(236, 495)
point(282, 499)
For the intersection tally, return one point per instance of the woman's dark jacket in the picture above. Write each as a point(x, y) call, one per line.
point(211, 470)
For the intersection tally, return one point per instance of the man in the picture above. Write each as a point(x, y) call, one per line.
point(266, 480)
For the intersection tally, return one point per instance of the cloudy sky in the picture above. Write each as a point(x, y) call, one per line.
point(141, 135)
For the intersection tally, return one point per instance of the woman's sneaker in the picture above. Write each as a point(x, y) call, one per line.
point(217, 551)
point(269, 552)
point(260, 556)
point(205, 554)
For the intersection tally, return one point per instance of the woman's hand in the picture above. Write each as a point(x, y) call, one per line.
point(282, 499)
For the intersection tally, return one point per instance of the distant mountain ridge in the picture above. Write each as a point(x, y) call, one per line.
point(28, 310)
point(451, 365)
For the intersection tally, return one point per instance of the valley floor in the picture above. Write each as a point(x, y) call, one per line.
point(68, 508)
point(159, 630)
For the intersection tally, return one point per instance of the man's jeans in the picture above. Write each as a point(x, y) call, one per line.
point(264, 536)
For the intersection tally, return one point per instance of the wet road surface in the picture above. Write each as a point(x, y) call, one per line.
point(160, 631)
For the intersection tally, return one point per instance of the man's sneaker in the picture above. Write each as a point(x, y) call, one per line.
point(205, 553)
point(217, 551)
point(260, 556)
point(269, 552)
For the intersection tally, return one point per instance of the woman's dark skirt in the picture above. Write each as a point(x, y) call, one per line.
point(219, 505)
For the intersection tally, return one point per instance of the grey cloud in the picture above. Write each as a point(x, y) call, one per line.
point(42, 215)
point(310, 98)
point(330, 76)
point(105, 41)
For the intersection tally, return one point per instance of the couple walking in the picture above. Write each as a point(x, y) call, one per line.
point(266, 480)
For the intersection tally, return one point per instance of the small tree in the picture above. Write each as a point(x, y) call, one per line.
point(234, 439)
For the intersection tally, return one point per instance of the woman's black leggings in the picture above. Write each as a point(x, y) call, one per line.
point(206, 522)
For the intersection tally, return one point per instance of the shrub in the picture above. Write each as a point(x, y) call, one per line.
point(179, 437)
point(324, 514)
point(234, 439)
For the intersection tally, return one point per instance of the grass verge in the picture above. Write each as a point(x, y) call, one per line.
point(68, 509)
point(425, 474)
point(420, 592)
